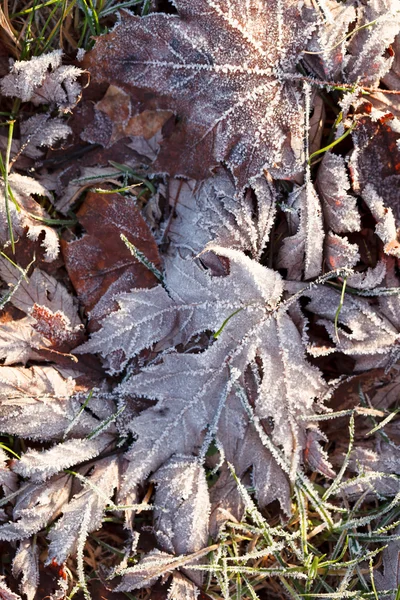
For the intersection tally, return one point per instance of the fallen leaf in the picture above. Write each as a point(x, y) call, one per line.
point(99, 263)
point(224, 71)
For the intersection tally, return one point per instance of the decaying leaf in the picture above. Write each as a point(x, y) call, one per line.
point(116, 117)
point(52, 323)
point(221, 67)
point(99, 264)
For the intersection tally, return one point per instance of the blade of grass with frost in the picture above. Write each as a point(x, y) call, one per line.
point(78, 414)
point(4, 168)
point(106, 423)
point(142, 258)
point(131, 173)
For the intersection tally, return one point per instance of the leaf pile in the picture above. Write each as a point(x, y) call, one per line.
point(176, 354)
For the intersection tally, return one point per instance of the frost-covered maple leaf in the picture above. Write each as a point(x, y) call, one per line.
point(223, 68)
point(27, 213)
point(303, 250)
point(52, 322)
point(350, 43)
point(257, 360)
point(218, 213)
point(43, 80)
point(363, 331)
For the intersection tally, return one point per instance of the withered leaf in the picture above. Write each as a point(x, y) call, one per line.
point(222, 67)
point(99, 264)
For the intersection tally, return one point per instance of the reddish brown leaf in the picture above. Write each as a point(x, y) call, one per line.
point(99, 264)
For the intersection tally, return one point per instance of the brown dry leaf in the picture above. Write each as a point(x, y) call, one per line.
point(99, 264)
point(116, 104)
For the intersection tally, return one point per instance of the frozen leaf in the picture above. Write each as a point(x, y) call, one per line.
point(99, 264)
point(339, 207)
point(204, 392)
point(19, 342)
point(26, 563)
point(222, 68)
point(84, 513)
point(42, 130)
point(145, 573)
point(6, 593)
point(178, 310)
point(39, 403)
point(315, 455)
point(339, 252)
point(8, 479)
point(43, 80)
point(39, 466)
point(324, 54)
point(389, 579)
point(362, 330)
point(369, 279)
point(182, 588)
point(367, 61)
point(386, 225)
point(375, 161)
point(23, 188)
point(217, 212)
point(37, 504)
point(41, 289)
point(182, 506)
point(302, 252)
point(226, 502)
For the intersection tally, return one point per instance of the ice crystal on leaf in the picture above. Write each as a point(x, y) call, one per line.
point(219, 213)
point(26, 563)
point(43, 80)
point(303, 251)
point(363, 331)
point(258, 352)
point(222, 68)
